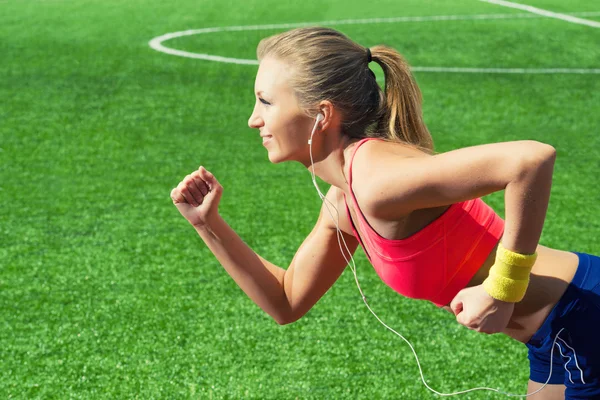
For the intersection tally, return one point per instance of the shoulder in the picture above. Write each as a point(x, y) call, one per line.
point(379, 153)
point(376, 166)
point(393, 179)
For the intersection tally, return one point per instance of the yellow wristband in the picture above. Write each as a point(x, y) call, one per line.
point(509, 276)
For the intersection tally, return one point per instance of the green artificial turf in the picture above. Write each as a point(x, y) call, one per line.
point(106, 292)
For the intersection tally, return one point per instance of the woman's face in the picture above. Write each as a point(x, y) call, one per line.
point(283, 126)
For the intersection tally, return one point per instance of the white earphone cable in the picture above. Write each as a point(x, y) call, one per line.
point(352, 266)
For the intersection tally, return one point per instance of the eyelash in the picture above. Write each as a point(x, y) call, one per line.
point(264, 101)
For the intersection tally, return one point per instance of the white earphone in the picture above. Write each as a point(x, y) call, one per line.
point(352, 266)
point(320, 117)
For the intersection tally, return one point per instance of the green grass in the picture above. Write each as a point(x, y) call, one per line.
point(106, 292)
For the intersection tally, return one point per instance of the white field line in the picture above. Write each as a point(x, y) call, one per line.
point(510, 70)
point(545, 13)
point(157, 42)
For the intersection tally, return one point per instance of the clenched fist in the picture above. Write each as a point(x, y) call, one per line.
point(479, 311)
point(197, 197)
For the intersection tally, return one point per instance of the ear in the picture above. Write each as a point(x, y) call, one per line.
point(330, 114)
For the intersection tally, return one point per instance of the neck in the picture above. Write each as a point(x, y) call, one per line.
point(330, 155)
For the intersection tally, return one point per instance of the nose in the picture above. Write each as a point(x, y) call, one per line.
point(255, 121)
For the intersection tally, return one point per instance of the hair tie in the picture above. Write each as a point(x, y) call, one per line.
point(369, 58)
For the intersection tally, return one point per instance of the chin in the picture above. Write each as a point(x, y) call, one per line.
point(277, 156)
point(274, 159)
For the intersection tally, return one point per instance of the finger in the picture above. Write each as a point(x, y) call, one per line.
point(193, 189)
point(465, 320)
point(457, 305)
point(207, 177)
point(186, 194)
point(200, 184)
point(177, 197)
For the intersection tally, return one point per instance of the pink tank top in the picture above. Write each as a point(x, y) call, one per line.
point(438, 261)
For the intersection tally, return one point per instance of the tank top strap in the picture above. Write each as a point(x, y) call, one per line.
point(362, 222)
point(363, 141)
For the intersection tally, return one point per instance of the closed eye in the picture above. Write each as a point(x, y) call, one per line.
point(264, 101)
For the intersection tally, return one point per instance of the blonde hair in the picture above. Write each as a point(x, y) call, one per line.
point(327, 65)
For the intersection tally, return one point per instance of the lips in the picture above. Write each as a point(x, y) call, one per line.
point(266, 139)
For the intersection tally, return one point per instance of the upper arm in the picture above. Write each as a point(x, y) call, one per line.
point(319, 262)
point(398, 184)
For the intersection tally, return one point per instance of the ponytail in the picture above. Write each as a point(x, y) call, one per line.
point(328, 65)
point(400, 116)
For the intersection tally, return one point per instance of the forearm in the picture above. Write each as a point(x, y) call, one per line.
point(261, 280)
point(488, 307)
point(526, 201)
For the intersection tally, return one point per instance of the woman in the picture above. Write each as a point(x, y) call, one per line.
point(418, 215)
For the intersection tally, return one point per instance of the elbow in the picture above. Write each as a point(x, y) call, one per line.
point(546, 158)
point(285, 320)
point(282, 319)
point(543, 153)
point(548, 153)
point(537, 157)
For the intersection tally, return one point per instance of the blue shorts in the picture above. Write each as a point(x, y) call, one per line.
point(576, 321)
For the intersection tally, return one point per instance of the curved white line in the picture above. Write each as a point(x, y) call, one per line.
point(157, 42)
point(574, 355)
point(545, 13)
point(510, 70)
point(567, 363)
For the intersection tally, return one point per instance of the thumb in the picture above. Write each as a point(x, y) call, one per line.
point(214, 187)
point(208, 177)
point(457, 304)
point(177, 197)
